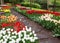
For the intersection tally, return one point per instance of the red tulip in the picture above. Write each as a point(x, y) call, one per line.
point(18, 4)
point(17, 29)
point(6, 7)
point(18, 26)
point(23, 8)
point(4, 25)
point(30, 11)
point(39, 12)
point(56, 13)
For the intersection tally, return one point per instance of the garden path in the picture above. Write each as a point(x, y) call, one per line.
point(44, 36)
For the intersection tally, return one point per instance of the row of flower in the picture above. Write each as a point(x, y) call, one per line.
point(50, 21)
point(36, 11)
point(13, 31)
point(5, 9)
point(10, 18)
point(16, 25)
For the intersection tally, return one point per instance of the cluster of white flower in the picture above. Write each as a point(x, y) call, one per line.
point(48, 17)
point(13, 37)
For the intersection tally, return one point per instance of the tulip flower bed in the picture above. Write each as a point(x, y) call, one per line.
point(49, 20)
point(7, 19)
point(13, 31)
point(16, 25)
point(5, 10)
point(23, 36)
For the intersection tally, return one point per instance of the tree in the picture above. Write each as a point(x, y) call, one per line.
point(54, 5)
point(2, 1)
point(48, 3)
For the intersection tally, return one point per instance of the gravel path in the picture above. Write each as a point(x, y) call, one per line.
point(44, 36)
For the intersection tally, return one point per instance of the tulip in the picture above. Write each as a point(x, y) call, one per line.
point(39, 12)
point(23, 8)
point(18, 26)
point(56, 13)
point(18, 4)
point(6, 7)
point(4, 25)
point(30, 11)
point(3, 17)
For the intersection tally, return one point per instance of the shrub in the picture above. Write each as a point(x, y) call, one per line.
point(27, 4)
point(9, 4)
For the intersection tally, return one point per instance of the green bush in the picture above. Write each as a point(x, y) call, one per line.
point(33, 5)
point(9, 4)
point(58, 6)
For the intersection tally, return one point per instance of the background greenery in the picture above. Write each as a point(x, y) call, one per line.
point(36, 3)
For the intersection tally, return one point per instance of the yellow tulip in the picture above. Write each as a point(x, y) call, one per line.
point(6, 10)
point(12, 18)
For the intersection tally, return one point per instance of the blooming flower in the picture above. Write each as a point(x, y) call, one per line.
point(2, 17)
point(4, 25)
point(6, 10)
point(56, 13)
point(17, 38)
point(30, 11)
point(22, 8)
point(48, 17)
point(6, 7)
point(18, 26)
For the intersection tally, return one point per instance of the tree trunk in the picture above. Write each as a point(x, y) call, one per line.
point(2, 2)
point(54, 5)
point(48, 3)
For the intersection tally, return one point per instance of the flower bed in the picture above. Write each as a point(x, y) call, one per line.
point(5, 9)
point(7, 19)
point(11, 36)
point(37, 11)
point(13, 31)
point(49, 20)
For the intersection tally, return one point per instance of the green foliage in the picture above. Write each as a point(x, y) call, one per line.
point(3, 21)
point(7, 14)
point(9, 4)
point(33, 5)
point(13, 1)
point(26, 0)
point(56, 17)
point(41, 1)
point(56, 4)
point(56, 31)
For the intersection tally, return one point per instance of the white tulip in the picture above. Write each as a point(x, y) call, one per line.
point(35, 38)
point(3, 29)
point(23, 40)
point(33, 32)
point(11, 29)
point(8, 29)
point(35, 35)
